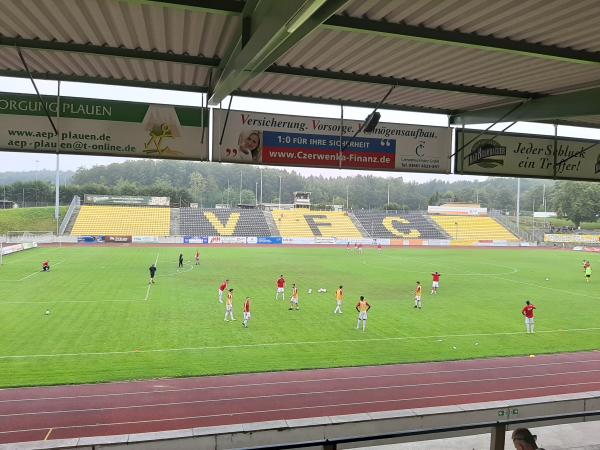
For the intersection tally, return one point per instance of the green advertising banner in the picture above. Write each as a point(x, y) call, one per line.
point(102, 127)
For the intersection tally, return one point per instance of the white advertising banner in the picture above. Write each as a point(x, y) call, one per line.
point(275, 139)
point(579, 238)
point(526, 155)
point(102, 127)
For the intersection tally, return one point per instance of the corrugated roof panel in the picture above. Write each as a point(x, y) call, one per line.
point(550, 22)
point(337, 91)
point(105, 67)
point(399, 58)
point(116, 23)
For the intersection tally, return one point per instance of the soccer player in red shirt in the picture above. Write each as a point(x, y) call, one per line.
point(224, 285)
point(527, 311)
point(246, 312)
point(435, 284)
point(280, 288)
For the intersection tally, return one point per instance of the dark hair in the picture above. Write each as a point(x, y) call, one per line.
point(523, 434)
point(341, 286)
point(231, 290)
point(527, 302)
point(362, 297)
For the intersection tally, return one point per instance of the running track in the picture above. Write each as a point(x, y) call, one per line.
point(121, 408)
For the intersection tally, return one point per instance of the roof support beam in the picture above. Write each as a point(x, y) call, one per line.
point(107, 51)
point(271, 27)
point(573, 104)
point(391, 81)
point(435, 35)
point(228, 7)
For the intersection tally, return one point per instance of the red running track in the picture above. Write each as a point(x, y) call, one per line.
point(135, 407)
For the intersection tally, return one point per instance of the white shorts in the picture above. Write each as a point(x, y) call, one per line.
point(528, 320)
point(294, 300)
point(362, 315)
point(229, 307)
point(435, 284)
point(339, 302)
point(280, 289)
point(418, 298)
point(220, 293)
point(246, 315)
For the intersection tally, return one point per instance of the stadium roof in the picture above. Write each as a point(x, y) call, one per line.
point(473, 59)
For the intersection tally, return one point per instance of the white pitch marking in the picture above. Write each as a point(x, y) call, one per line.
point(278, 344)
point(28, 276)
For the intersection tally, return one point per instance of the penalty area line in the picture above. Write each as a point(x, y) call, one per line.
point(281, 344)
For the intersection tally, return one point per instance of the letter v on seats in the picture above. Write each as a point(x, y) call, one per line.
point(223, 229)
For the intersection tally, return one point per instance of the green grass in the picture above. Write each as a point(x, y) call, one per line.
point(29, 219)
point(101, 328)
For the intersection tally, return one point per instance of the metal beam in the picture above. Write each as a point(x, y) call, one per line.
point(120, 52)
point(473, 40)
point(391, 81)
point(581, 103)
point(275, 27)
point(102, 80)
point(228, 7)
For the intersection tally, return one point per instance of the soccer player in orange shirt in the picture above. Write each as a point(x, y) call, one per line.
point(363, 308)
point(418, 292)
point(294, 298)
point(197, 257)
point(229, 306)
point(246, 312)
point(339, 300)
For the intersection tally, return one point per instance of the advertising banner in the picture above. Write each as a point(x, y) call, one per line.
point(102, 127)
point(125, 200)
point(269, 240)
point(233, 239)
point(195, 240)
point(91, 239)
point(578, 238)
point(251, 240)
point(526, 155)
point(275, 139)
point(117, 239)
point(145, 240)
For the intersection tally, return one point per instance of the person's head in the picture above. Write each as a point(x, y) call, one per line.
point(362, 297)
point(231, 290)
point(528, 302)
point(249, 141)
point(280, 276)
point(341, 287)
point(436, 272)
point(293, 285)
point(248, 299)
point(523, 439)
point(418, 282)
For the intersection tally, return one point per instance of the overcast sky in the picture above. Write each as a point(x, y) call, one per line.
point(30, 161)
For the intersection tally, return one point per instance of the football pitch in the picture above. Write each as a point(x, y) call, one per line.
point(106, 323)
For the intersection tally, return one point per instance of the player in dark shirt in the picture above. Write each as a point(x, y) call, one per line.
point(181, 260)
point(152, 270)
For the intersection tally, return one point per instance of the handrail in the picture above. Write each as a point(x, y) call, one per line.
point(333, 443)
point(74, 203)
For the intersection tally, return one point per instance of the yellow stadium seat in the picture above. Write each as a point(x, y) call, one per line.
point(473, 228)
point(122, 221)
point(305, 223)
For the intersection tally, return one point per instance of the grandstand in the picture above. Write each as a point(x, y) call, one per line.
point(400, 226)
point(473, 228)
point(95, 220)
point(304, 223)
point(223, 222)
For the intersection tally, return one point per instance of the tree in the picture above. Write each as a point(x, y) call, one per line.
point(198, 185)
point(577, 200)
